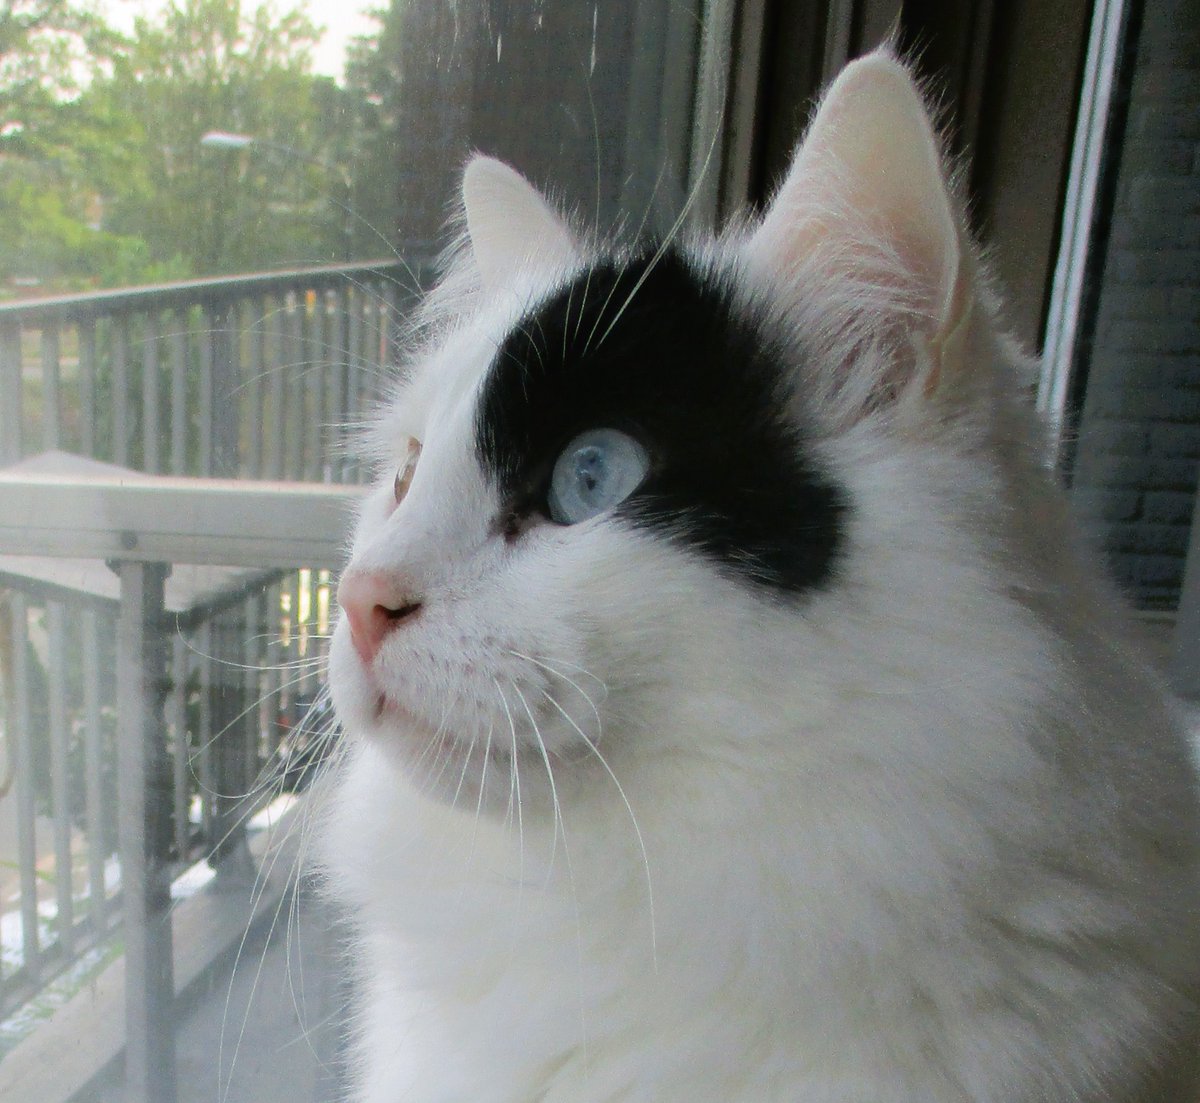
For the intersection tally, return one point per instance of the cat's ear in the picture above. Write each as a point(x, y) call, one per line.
point(866, 200)
point(511, 227)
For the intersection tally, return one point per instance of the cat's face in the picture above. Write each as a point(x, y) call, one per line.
point(614, 497)
point(597, 506)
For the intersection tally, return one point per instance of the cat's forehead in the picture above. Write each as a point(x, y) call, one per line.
point(652, 340)
point(667, 350)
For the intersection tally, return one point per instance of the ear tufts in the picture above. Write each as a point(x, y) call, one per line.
point(510, 225)
point(866, 202)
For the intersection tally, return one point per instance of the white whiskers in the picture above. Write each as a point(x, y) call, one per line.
point(591, 746)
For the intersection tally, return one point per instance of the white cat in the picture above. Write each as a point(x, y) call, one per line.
point(729, 713)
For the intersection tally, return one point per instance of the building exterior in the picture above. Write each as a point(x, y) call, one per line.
point(1134, 476)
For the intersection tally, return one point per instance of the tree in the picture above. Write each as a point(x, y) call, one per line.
point(49, 52)
point(46, 52)
point(374, 92)
point(101, 163)
point(205, 65)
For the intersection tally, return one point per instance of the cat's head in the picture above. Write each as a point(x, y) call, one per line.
point(649, 505)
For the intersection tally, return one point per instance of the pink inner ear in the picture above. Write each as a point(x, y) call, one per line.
point(866, 190)
point(863, 227)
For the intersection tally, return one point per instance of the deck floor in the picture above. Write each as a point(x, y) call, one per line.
point(267, 1030)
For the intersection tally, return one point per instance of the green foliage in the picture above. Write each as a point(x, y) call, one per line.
point(373, 82)
point(205, 66)
point(47, 236)
point(103, 176)
point(48, 51)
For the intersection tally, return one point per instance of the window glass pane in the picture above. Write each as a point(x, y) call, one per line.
point(217, 218)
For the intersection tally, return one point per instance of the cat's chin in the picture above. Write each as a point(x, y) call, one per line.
point(406, 737)
point(391, 715)
point(368, 711)
point(473, 773)
point(480, 763)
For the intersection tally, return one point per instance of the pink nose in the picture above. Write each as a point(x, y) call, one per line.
point(375, 603)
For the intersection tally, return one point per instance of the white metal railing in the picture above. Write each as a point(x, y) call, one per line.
point(136, 428)
point(239, 375)
point(140, 528)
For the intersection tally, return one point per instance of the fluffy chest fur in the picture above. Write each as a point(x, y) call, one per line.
point(729, 714)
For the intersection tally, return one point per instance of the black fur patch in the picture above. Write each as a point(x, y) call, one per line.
point(698, 385)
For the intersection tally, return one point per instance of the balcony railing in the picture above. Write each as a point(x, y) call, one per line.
point(246, 378)
point(249, 375)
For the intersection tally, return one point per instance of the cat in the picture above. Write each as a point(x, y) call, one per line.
point(730, 711)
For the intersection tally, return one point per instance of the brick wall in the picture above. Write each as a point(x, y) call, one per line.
point(1139, 443)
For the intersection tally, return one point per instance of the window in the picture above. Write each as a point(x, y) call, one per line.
point(217, 218)
point(221, 219)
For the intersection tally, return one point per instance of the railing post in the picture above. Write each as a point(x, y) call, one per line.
point(296, 425)
point(88, 413)
point(273, 412)
point(11, 381)
point(179, 395)
point(151, 403)
point(60, 781)
point(232, 777)
point(206, 406)
point(144, 832)
point(119, 379)
point(22, 751)
point(93, 771)
point(337, 342)
point(226, 390)
point(51, 387)
point(254, 320)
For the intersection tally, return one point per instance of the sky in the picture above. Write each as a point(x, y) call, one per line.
point(342, 20)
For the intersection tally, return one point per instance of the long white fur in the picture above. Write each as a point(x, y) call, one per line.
point(648, 835)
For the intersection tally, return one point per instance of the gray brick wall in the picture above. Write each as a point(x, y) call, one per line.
point(1139, 439)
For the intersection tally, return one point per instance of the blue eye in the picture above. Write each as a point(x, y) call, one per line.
point(596, 471)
